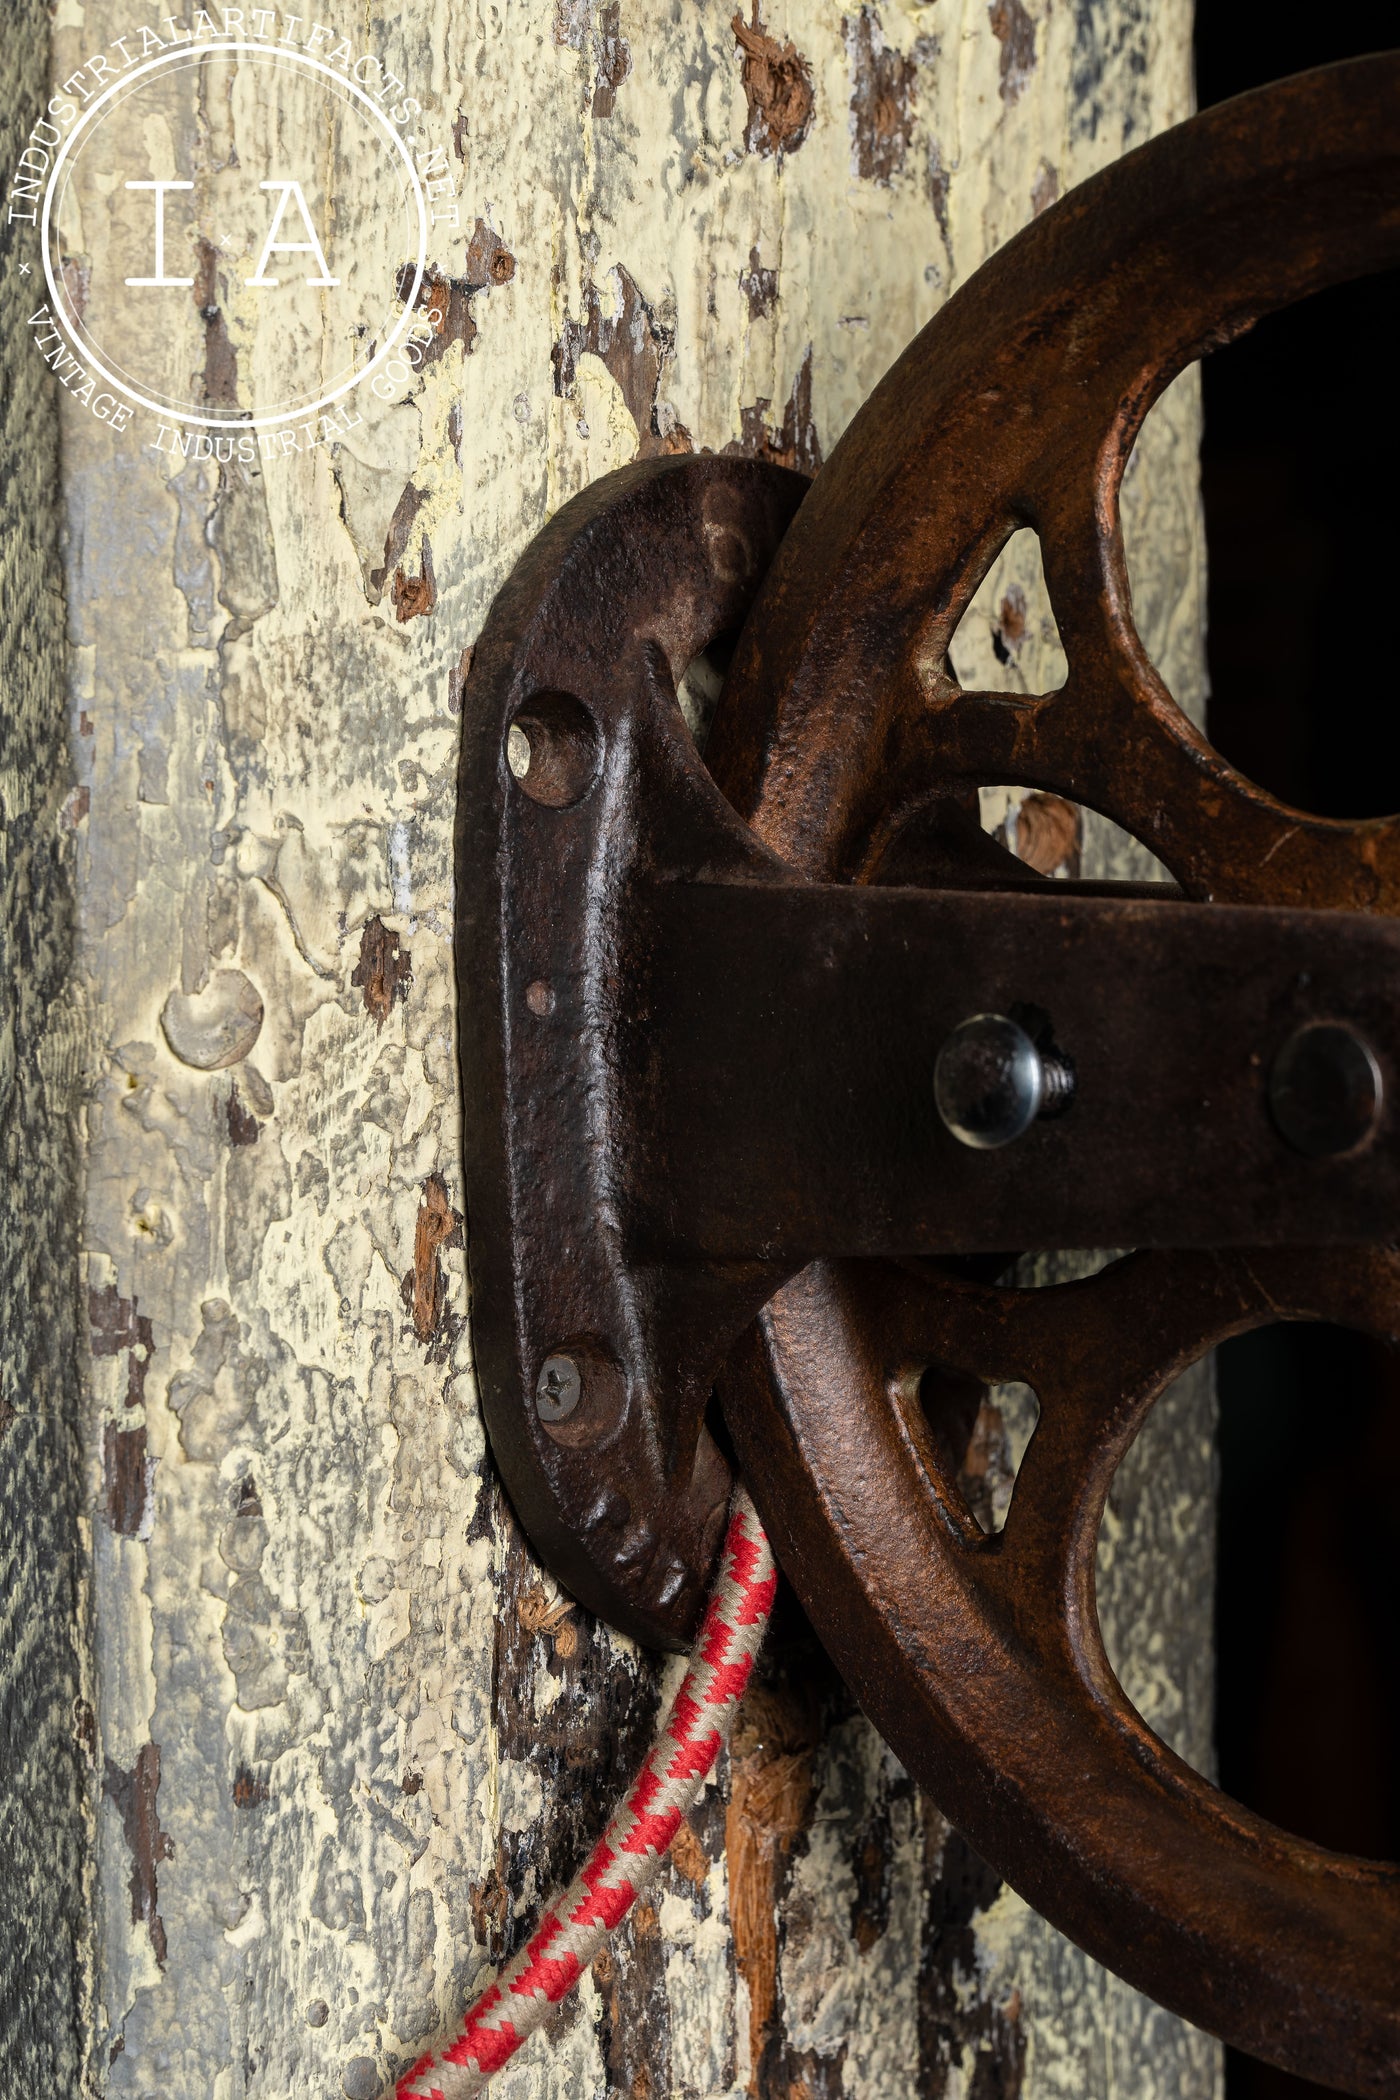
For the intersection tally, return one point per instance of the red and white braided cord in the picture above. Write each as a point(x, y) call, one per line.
point(626, 1859)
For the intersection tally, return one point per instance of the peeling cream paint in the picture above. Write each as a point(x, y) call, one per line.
point(270, 765)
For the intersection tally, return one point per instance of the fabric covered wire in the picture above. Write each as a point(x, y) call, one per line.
point(628, 1855)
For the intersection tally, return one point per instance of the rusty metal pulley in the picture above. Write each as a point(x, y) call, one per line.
point(707, 1004)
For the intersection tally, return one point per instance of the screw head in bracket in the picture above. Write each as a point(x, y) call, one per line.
point(1325, 1090)
point(558, 1388)
point(991, 1082)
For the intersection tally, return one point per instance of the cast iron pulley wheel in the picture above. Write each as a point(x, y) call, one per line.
point(704, 1033)
point(841, 729)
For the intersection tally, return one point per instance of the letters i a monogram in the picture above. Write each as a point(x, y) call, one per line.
point(271, 246)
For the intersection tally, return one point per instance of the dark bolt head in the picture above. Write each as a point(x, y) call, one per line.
point(989, 1081)
point(559, 1388)
point(1325, 1090)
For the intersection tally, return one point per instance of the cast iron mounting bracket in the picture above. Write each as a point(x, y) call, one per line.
point(766, 1047)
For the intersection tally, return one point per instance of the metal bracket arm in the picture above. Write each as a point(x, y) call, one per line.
point(777, 1047)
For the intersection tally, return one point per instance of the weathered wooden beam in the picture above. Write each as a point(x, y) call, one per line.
point(344, 1732)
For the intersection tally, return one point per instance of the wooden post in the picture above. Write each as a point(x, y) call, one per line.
point(299, 1733)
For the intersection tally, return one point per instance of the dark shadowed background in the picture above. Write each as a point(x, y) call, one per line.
point(1300, 471)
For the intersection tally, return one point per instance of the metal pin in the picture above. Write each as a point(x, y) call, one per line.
point(991, 1082)
point(1325, 1090)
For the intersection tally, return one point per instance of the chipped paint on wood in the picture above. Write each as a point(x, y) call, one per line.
point(381, 1731)
point(424, 1289)
point(134, 1796)
point(384, 971)
point(1015, 32)
point(633, 345)
point(884, 88)
point(778, 83)
point(243, 1125)
point(117, 1326)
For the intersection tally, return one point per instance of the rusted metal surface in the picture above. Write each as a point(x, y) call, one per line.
point(1018, 405)
point(709, 1028)
point(1174, 1017)
point(580, 655)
